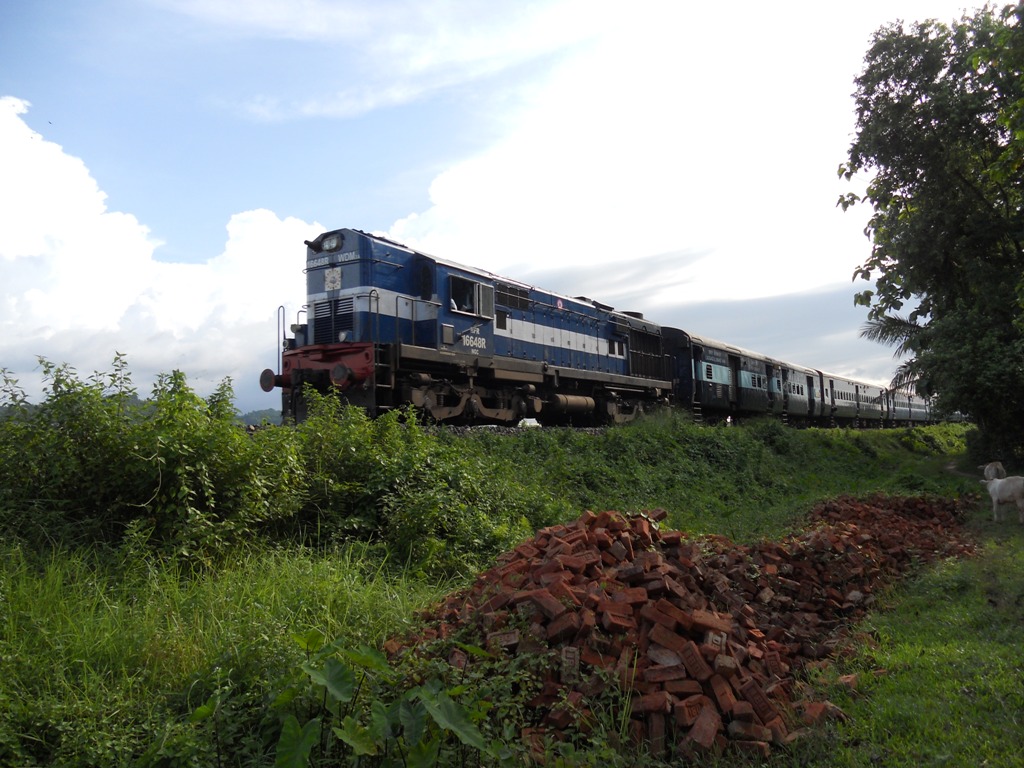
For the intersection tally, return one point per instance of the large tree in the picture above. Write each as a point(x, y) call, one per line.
point(940, 133)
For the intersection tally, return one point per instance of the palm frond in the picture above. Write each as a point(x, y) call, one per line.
point(892, 330)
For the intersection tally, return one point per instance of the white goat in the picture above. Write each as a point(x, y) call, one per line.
point(993, 470)
point(1004, 490)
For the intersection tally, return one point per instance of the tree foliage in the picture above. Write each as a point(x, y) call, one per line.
point(940, 130)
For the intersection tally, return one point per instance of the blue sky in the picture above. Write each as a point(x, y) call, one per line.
point(161, 162)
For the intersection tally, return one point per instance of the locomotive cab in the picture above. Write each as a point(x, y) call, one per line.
point(389, 326)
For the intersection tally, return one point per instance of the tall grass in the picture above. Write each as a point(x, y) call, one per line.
point(171, 633)
point(96, 658)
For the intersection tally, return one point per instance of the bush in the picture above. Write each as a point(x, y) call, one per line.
point(94, 464)
point(435, 506)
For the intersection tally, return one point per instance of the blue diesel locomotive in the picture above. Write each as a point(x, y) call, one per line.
point(388, 326)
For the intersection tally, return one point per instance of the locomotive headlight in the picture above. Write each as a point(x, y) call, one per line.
point(330, 243)
point(343, 336)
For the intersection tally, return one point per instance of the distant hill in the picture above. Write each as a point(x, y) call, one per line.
point(270, 415)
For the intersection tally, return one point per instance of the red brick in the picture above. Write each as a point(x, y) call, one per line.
point(550, 694)
point(773, 664)
point(763, 708)
point(576, 539)
point(616, 624)
point(618, 607)
point(549, 578)
point(565, 594)
point(655, 583)
point(660, 701)
point(684, 619)
point(676, 589)
point(723, 693)
point(664, 674)
point(596, 659)
point(543, 600)
point(631, 595)
point(705, 620)
point(742, 710)
point(547, 567)
point(588, 620)
point(694, 662)
point(652, 614)
point(850, 681)
point(496, 602)
point(578, 562)
point(704, 731)
point(688, 710)
point(562, 717)
point(642, 528)
point(564, 627)
point(534, 739)
point(458, 658)
point(709, 652)
point(667, 638)
point(670, 538)
point(631, 573)
point(494, 622)
point(747, 731)
point(527, 551)
point(814, 712)
point(617, 522)
point(780, 734)
point(683, 688)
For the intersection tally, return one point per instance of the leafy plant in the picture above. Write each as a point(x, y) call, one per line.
point(357, 714)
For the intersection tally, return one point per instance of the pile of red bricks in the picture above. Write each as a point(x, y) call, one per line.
point(705, 635)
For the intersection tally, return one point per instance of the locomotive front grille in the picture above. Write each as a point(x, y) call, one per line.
point(330, 318)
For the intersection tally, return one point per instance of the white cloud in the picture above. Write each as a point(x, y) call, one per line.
point(674, 131)
point(79, 282)
point(394, 52)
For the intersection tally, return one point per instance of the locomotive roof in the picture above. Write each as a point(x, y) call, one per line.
point(630, 319)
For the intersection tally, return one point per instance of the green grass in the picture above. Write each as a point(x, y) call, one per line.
point(107, 654)
point(748, 483)
point(96, 658)
point(943, 682)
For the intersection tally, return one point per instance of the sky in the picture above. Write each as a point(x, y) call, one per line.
point(162, 161)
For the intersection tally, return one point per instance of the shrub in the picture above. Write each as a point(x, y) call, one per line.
point(94, 464)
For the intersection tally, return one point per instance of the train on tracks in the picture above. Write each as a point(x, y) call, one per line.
point(386, 326)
